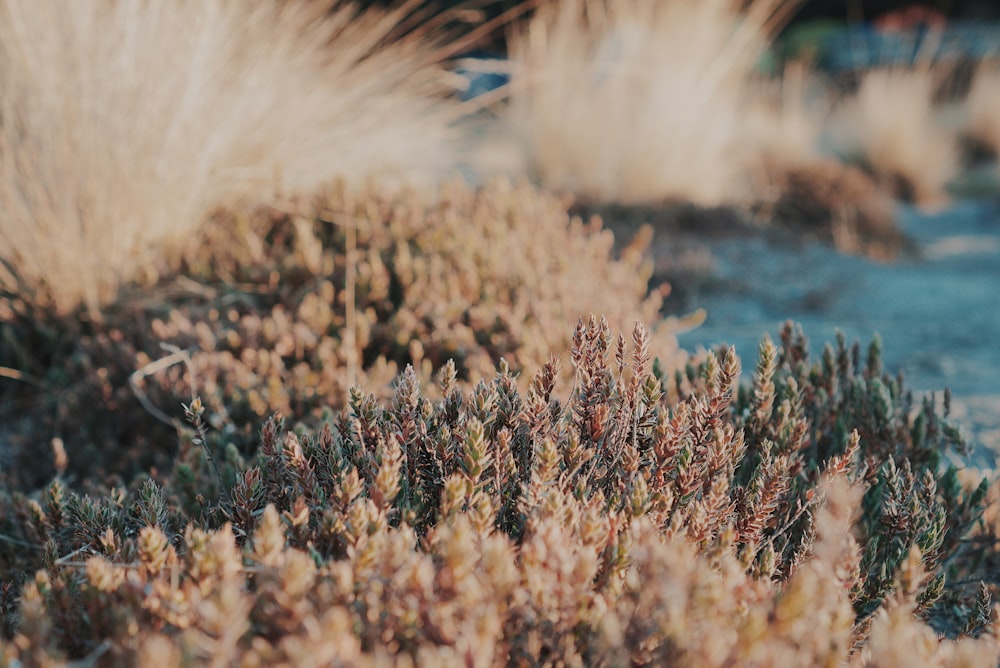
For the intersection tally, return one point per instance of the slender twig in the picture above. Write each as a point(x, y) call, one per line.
point(186, 358)
point(65, 559)
point(193, 413)
point(14, 374)
point(92, 658)
point(246, 568)
point(20, 543)
point(154, 367)
point(800, 511)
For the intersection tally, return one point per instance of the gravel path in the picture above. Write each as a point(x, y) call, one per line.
point(938, 313)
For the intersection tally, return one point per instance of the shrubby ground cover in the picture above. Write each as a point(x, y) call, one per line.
point(329, 415)
point(501, 526)
point(299, 306)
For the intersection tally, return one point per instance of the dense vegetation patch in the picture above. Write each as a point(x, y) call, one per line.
point(807, 518)
point(283, 311)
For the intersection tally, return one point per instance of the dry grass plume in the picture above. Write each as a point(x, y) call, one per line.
point(123, 123)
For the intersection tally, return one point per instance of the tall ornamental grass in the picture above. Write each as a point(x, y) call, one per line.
point(122, 124)
point(635, 101)
point(891, 128)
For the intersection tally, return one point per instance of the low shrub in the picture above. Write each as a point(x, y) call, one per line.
point(283, 311)
point(808, 518)
point(794, 186)
point(838, 204)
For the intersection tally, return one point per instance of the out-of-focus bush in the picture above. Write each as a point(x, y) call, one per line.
point(890, 128)
point(635, 102)
point(828, 200)
point(282, 311)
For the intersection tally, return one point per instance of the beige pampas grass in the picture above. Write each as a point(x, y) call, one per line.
point(891, 128)
point(635, 101)
point(122, 124)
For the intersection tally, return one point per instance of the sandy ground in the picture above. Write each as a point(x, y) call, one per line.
point(938, 311)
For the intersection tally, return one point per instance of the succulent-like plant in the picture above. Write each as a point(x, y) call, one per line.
point(806, 518)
